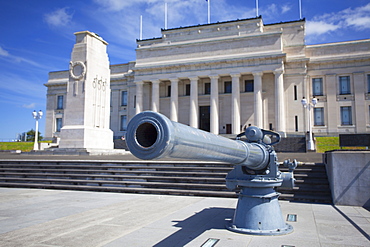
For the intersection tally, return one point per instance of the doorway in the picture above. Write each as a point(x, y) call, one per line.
point(205, 118)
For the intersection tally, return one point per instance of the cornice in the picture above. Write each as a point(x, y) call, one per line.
point(210, 60)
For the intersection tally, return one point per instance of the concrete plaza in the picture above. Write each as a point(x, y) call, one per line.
point(33, 217)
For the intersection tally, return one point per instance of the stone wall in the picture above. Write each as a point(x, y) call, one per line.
point(348, 174)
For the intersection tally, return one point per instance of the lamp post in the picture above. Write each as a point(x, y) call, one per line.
point(309, 106)
point(36, 116)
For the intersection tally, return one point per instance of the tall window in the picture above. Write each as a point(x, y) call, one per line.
point(227, 87)
point(317, 87)
point(207, 88)
point(368, 83)
point(346, 115)
point(187, 89)
point(169, 91)
point(249, 85)
point(344, 85)
point(59, 124)
point(318, 115)
point(123, 125)
point(123, 98)
point(295, 92)
point(60, 102)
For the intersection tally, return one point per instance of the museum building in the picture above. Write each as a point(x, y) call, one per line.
point(222, 77)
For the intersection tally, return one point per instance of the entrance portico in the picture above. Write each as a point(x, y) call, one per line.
point(237, 115)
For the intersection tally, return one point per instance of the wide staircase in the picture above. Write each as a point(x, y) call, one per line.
point(167, 177)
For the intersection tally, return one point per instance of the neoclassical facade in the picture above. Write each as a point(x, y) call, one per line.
point(222, 77)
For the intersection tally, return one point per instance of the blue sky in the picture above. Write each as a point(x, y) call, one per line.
point(36, 36)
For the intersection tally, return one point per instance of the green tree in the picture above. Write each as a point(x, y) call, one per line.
point(31, 136)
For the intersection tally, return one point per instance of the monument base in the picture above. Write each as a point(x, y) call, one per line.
point(82, 137)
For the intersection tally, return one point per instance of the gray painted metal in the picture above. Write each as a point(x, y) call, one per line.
point(151, 135)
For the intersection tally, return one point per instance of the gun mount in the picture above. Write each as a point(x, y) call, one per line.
point(151, 135)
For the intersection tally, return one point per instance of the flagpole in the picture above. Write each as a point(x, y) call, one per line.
point(141, 27)
point(300, 9)
point(257, 8)
point(165, 15)
point(209, 11)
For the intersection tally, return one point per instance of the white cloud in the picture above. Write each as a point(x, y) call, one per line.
point(29, 106)
point(119, 5)
point(357, 18)
point(285, 8)
point(3, 52)
point(319, 27)
point(5, 55)
point(58, 18)
point(15, 84)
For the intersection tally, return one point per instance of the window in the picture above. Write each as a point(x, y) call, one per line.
point(187, 89)
point(60, 102)
point(123, 98)
point(318, 115)
point(317, 87)
point(249, 86)
point(123, 123)
point(296, 123)
point(346, 115)
point(59, 124)
point(227, 87)
point(207, 88)
point(169, 91)
point(368, 83)
point(344, 85)
point(295, 92)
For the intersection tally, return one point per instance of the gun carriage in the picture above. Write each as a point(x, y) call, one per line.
point(151, 135)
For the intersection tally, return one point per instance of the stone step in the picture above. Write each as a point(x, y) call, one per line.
point(101, 176)
point(175, 178)
point(120, 183)
point(125, 167)
point(121, 189)
point(118, 172)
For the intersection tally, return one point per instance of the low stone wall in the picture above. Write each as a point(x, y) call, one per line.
point(349, 177)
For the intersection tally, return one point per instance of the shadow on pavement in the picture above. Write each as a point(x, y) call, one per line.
point(195, 225)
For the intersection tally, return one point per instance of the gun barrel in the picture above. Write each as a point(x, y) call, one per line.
point(151, 135)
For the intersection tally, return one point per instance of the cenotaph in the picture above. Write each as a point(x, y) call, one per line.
point(87, 112)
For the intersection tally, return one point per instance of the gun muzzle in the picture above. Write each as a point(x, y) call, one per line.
point(151, 135)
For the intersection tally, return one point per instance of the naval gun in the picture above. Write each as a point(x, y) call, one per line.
point(151, 135)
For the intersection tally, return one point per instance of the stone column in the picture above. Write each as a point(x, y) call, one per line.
point(235, 104)
point(360, 108)
point(193, 118)
point(155, 95)
point(139, 96)
point(279, 102)
point(214, 125)
point(330, 83)
point(258, 114)
point(174, 99)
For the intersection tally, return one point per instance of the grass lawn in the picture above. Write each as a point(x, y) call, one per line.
point(322, 144)
point(330, 143)
point(23, 146)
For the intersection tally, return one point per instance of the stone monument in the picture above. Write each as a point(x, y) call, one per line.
point(87, 112)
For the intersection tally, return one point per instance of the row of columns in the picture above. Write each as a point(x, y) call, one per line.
point(214, 103)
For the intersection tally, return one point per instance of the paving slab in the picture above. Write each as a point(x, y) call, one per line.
point(56, 218)
point(302, 157)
